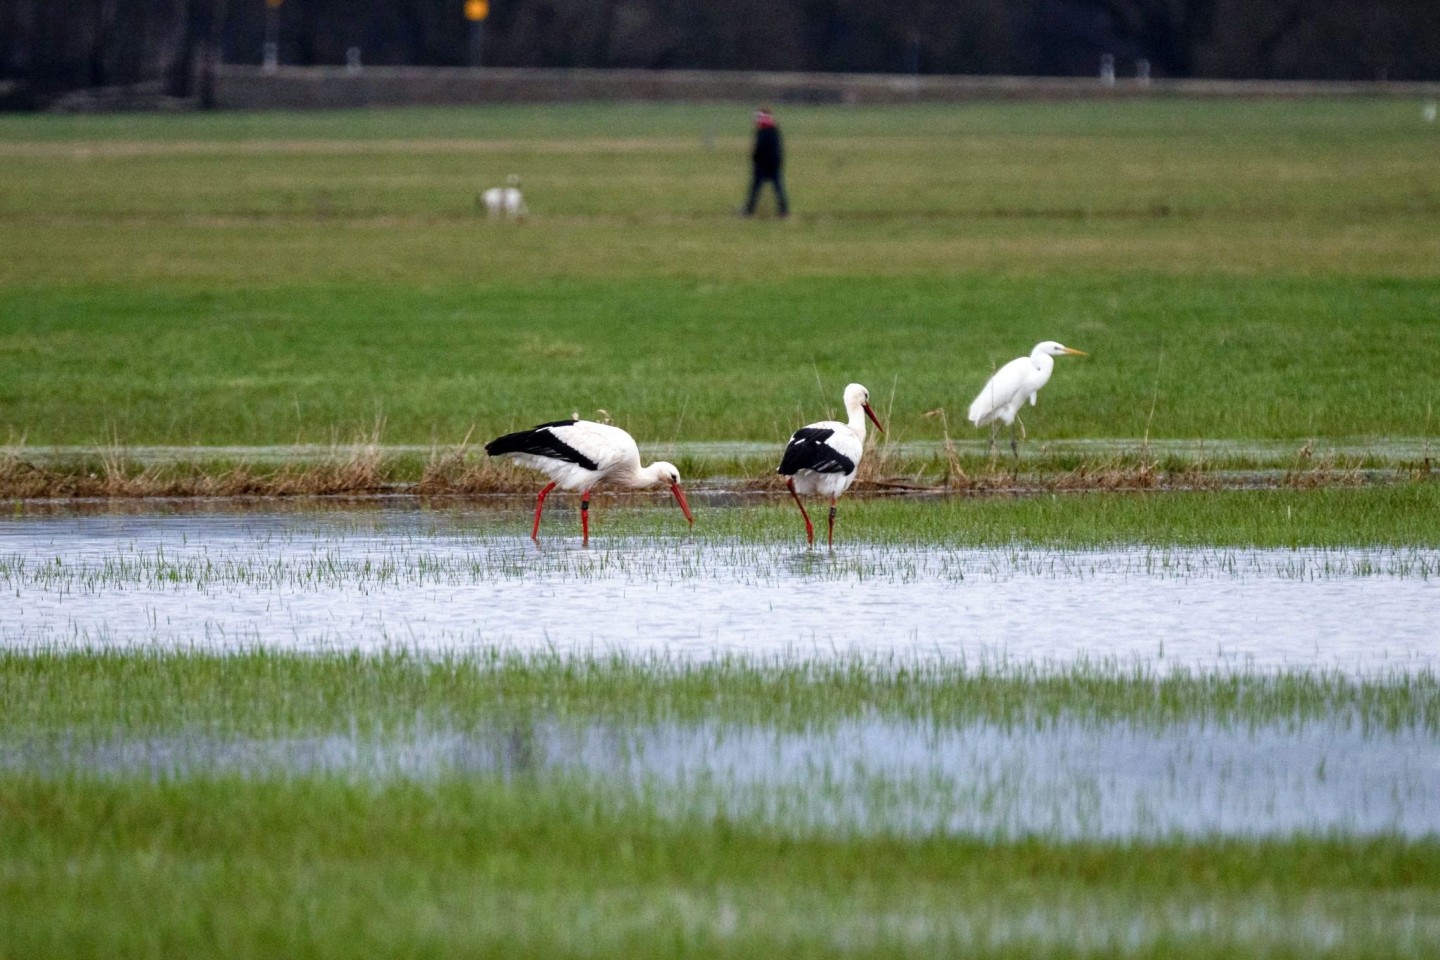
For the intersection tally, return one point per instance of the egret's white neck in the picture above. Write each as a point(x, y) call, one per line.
point(1043, 361)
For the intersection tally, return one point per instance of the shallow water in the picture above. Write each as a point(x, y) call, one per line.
point(458, 579)
point(1064, 778)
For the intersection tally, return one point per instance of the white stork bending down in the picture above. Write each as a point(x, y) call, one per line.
point(822, 457)
point(579, 455)
point(1000, 400)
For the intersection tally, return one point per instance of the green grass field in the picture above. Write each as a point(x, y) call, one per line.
point(1245, 271)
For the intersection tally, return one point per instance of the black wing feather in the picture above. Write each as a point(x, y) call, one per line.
point(540, 441)
point(808, 450)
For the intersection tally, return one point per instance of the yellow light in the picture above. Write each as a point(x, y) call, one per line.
point(477, 9)
point(272, 4)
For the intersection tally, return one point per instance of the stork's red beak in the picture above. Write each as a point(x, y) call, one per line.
point(873, 419)
point(680, 499)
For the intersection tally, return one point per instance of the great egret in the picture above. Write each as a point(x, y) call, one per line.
point(823, 457)
point(1001, 399)
point(578, 455)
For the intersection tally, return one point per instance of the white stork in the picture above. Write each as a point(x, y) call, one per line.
point(1000, 399)
point(822, 457)
point(581, 454)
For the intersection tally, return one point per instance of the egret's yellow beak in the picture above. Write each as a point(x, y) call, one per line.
point(1076, 353)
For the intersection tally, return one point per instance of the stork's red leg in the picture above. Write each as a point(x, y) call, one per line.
point(539, 505)
point(585, 519)
point(809, 528)
point(832, 521)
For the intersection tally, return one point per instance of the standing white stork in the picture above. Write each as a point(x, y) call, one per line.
point(581, 454)
point(1000, 400)
point(822, 457)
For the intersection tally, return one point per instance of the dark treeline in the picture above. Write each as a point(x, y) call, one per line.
point(51, 46)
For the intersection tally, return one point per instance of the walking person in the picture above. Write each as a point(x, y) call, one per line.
point(766, 162)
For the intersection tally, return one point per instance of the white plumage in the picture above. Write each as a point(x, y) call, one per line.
point(581, 455)
point(1019, 380)
point(822, 458)
point(506, 202)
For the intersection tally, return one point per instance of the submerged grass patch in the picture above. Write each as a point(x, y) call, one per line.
point(274, 693)
point(524, 859)
point(1399, 514)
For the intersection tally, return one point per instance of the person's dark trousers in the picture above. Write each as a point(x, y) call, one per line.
point(756, 181)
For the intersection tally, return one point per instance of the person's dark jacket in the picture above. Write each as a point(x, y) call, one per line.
point(767, 153)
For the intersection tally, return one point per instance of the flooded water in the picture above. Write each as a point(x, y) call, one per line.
point(1063, 778)
point(460, 579)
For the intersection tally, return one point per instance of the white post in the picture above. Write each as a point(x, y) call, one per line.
point(1107, 69)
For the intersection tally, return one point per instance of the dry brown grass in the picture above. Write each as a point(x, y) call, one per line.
point(1331, 470)
point(460, 472)
point(117, 478)
point(367, 470)
point(363, 469)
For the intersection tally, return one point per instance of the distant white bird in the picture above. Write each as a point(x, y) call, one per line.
point(580, 455)
point(823, 457)
point(1429, 111)
point(1019, 380)
point(506, 202)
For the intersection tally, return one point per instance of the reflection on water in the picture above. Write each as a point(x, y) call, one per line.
point(450, 580)
point(1066, 778)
